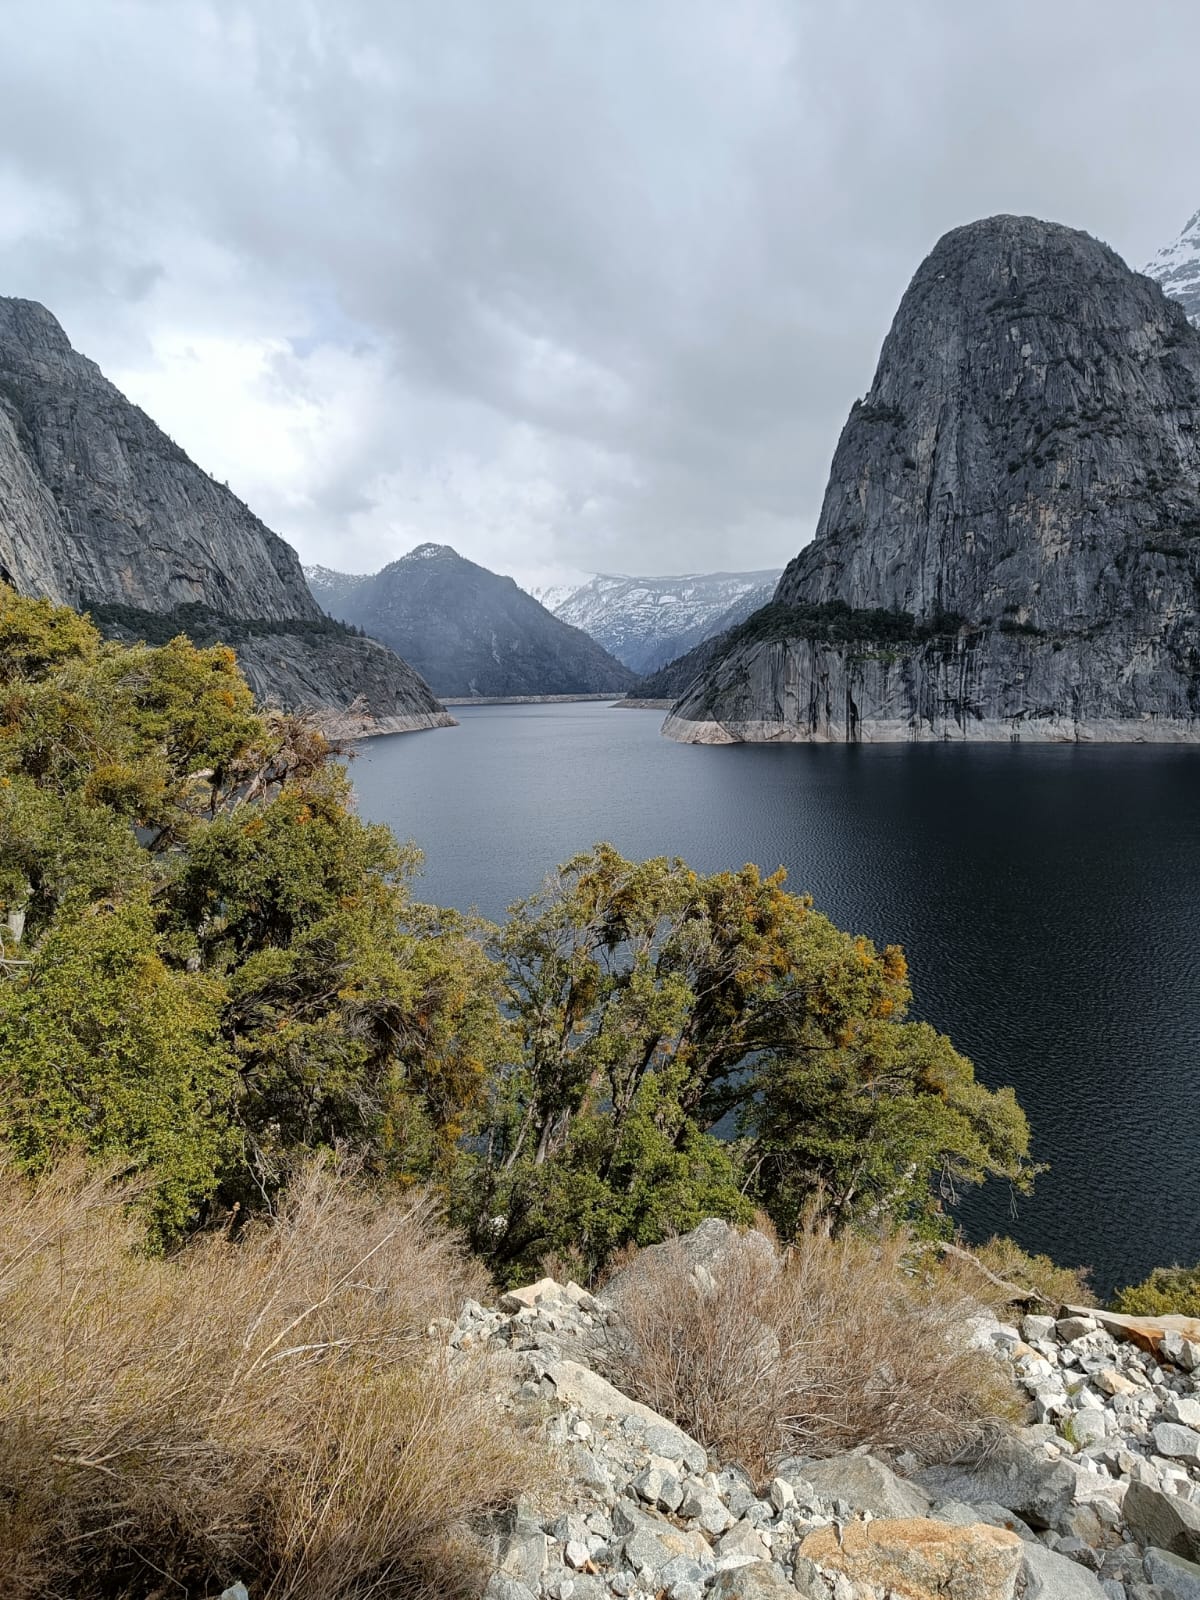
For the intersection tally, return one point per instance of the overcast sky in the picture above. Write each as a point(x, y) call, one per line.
point(572, 286)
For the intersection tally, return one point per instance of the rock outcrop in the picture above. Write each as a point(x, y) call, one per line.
point(1009, 546)
point(471, 632)
point(99, 509)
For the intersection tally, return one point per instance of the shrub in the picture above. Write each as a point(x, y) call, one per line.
point(836, 1344)
point(1167, 1291)
point(265, 1409)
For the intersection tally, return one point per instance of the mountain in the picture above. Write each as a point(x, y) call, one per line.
point(471, 632)
point(1177, 268)
point(673, 679)
point(1009, 546)
point(99, 509)
point(330, 589)
point(645, 622)
point(553, 595)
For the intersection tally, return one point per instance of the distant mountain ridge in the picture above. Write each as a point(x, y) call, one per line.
point(1177, 268)
point(469, 631)
point(646, 622)
point(330, 588)
point(99, 509)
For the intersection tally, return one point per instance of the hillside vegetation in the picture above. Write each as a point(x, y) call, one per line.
point(212, 966)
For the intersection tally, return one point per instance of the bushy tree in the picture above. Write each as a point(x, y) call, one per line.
point(656, 1009)
point(208, 962)
point(104, 1046)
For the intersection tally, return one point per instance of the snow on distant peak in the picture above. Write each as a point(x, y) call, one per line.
point(1177, 268)
point(429, 552)
point(646, 621)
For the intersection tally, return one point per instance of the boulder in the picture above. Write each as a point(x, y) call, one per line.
point(742, 1542)
point(965, 1516)
point(915, 1557)
point(649, 1541)
point(1049, 1576)
point(598, 1400)
point(1180, 1578)
point(704, 1252)
point(1163, 1520)
point(1006, 1472)
point(1147, 1333)
point(502, 1587)
point(533, 1294)
point(522, 1549)
point(754, 1582)
point(867, 1484)
point(1181, 1444)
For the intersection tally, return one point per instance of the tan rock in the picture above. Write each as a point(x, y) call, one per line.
point(1113, 1382)
point(531, 1294)
point(917, 1559)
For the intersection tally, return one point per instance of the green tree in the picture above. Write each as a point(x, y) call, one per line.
point(159, 836)
point(654, 1009)
point(104, 1047)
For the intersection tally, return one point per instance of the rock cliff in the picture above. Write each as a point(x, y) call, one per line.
point(1009, 546)
point(100, 509)
point(472, 632)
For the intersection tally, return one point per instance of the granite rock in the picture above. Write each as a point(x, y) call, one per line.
point(1009, 544)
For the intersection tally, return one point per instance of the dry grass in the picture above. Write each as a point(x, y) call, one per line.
point(268, 1410)
point(1058, 1286)
point(841, 1345)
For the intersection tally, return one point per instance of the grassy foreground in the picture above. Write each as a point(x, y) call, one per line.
point(268, 1410)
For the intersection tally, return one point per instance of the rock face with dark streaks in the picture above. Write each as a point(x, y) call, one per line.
point(99, 509)
point(1009, 546)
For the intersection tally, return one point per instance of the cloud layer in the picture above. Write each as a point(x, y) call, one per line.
point(571, 286)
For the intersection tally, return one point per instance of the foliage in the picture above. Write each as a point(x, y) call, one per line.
point(655, 1008)
point(102, 1044)
point(203, 625)
point(1167, 1291)
point(265, 1409)
point(835, 622)
point(210, 963)
point(209, 966)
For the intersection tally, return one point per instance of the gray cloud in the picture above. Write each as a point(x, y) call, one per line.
point(567, 285)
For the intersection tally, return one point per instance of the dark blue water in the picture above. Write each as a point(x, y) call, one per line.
point(1048, 898)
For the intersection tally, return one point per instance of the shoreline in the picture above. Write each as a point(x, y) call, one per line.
point(521, 699)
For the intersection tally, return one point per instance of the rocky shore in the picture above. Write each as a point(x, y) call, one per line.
point(1096, 1496)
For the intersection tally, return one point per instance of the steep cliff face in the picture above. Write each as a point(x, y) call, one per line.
point(472, 632)
point(1009, 545)
point(99, 508)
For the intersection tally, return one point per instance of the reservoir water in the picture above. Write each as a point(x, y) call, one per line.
point(1048, 898)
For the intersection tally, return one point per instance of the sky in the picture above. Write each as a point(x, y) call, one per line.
point(572, 285)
